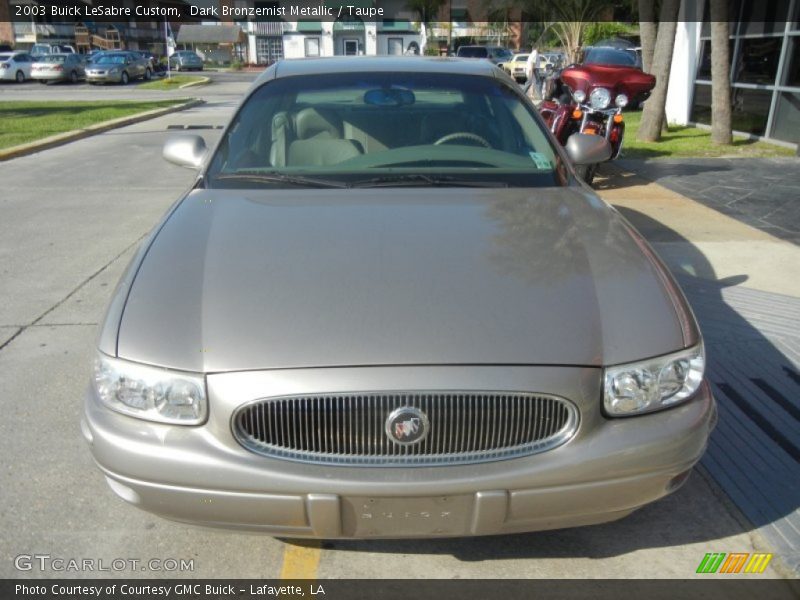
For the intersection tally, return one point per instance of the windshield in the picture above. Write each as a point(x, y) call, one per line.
point(352, 129)
point(473, 52)
point(610, 56)
point(111, 59)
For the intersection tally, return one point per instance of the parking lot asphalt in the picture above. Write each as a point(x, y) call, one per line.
point(225, 84)
point(72, 217)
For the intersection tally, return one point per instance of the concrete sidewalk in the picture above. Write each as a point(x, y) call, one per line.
point(744, 286)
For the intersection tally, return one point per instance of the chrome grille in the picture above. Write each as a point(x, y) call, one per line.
point(349, 429)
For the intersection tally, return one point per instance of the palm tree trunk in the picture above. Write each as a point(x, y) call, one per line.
point(647, 32)
point(720, 74)
point(653, 114)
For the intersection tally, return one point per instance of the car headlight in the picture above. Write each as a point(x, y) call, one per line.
point(653, 384)
point(151, 393)
point(579, 96)
point(114, 70)
point(600, 98)
point(621, 100)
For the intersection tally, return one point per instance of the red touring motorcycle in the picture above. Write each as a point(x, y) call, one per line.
point(589, 98)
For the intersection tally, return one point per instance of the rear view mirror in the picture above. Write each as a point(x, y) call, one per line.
point(185, 150)
point(585, 149)
point(389, 97)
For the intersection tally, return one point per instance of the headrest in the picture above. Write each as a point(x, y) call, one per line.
point(280, 125)
point(312, 122)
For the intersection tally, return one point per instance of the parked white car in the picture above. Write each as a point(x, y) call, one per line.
point(15, 66)
point(59, 67)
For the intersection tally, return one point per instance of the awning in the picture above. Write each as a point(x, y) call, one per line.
point(397, 26)
point(209, 34)
point(309, 27)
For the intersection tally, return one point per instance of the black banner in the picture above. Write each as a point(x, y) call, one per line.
point(524, 11)
point(399, 589)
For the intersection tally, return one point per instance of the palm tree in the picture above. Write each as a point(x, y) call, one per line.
point(653, 114)
point(426, 10)
point(720, 74)
point(567, 19)
point(648, 28)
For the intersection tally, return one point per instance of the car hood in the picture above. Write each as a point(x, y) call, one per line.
point(396, 276)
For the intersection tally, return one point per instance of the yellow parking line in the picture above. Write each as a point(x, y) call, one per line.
point(301, 562)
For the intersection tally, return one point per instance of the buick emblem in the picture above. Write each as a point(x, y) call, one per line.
point(407, 425)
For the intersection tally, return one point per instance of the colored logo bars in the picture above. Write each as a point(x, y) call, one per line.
point(735, 562)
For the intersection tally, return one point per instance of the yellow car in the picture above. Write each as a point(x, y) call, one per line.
point(517, 67)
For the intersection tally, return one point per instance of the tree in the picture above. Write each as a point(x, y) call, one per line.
point(647, 32)
point(426, 10)
point(653, 114)
point(568, 19)
point(720, 74)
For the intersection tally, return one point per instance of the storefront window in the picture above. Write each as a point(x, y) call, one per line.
point(758, 60)
point(701, 107)
point(750, 110)
point(764, 16)
point(792, 70)
point(704, 67)
point(786, 123)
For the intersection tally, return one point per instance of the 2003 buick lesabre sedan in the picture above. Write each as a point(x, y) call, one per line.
point(387, 308)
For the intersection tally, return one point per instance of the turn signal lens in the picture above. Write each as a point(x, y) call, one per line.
point(577, 114)
point(618, 119)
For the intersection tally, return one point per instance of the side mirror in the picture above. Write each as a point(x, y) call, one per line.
point(185, 150)
point(585, 149)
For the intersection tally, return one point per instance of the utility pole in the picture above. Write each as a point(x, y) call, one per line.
point(166, 46)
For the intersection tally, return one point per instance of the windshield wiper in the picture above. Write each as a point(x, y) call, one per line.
point(418, 179)
point(299, 180)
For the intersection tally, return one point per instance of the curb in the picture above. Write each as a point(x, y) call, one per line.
point(203, 81)
point(79, 134)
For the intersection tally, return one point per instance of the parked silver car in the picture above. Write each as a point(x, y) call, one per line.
point(50, 68)
point(185, 60)
point(388, 308)
point(118, 67)
point(15, 66)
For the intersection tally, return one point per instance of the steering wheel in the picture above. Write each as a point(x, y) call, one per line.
point(462, 135)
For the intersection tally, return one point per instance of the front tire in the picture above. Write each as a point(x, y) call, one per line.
point(73, 77)
point(20, 77)
point(148, 75)
point(124, 78)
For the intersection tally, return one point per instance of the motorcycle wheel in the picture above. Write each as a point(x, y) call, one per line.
point(586, 172)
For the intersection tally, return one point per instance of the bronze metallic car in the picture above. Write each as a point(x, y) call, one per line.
point(388, 308)
point(119, 67)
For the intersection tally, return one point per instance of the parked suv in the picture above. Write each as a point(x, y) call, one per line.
point(495, 54)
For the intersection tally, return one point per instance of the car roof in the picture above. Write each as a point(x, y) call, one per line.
point(390, 64)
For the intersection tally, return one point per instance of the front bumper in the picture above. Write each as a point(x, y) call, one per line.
point(103, 78)
point(202, 475)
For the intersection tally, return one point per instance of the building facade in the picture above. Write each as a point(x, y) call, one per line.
point(764, 70)
point(132, 34)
